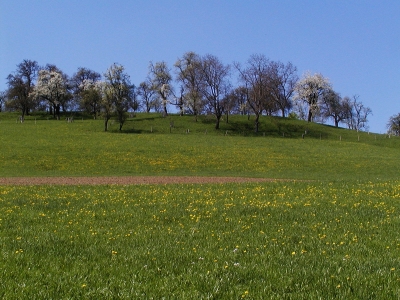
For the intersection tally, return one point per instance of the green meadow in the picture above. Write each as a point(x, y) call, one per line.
point(148, 145)
point(329, 232)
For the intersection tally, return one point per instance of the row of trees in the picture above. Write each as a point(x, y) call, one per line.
point(200, 85)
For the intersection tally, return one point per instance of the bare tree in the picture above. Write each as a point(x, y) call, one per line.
point(239, 100)
point(310, 90)
point(189, 74)
point(361, 114)
point(255, 79)
point(21, 85)
point(333, 107)
point(161, 82)
point(348, 110)
point(146, 92)
point(215, 85)
point(282, 83)
point(394, 125)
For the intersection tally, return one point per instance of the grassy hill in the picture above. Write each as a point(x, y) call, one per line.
point(334, 236)
point(178, 145)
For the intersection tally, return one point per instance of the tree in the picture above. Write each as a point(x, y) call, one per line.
point(161, 82)
point(90, 97)
point(348, 110)
point(361, 113)
point(85, 95)
point(394, 125)
point(118, 90)
point(189, 74)
point(356, 114)
point(107, 104)
point(255, 79)
point(180, 102)
point(215, 85)
point(52, 85)
point(310, 90)
point(21, 85)
point(146, 93)
point(3, 98)
point(282, 82)
point(333, 107)
point(238, 100)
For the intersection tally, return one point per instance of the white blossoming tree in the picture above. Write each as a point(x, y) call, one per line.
point(190, 76)
point(310, 90)
point(161, 78)
point(52, 85)
point(83, 84)
point(118, 92)
point(91, 95)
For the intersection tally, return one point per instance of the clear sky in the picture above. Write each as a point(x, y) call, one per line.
point(354, 43)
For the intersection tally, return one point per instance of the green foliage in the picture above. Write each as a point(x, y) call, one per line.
point(297, 240)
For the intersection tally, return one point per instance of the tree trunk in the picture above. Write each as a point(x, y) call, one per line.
point(309, 115)
point(336, 123)
point(57, 110)
point(105, 124)
point(23, 115)
point(217, 122)
point(165, 113)
point(256, 123)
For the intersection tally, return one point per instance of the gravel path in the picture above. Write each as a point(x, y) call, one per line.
point(124, 180)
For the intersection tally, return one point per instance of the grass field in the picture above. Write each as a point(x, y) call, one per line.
point(256, 241)
point(335, 237)
point(57, 148)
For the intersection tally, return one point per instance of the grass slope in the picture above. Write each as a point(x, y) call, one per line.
point(149, 146)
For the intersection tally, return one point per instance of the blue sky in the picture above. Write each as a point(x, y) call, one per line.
point(354, 43)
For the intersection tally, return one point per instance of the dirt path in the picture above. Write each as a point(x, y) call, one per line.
point(124, 180)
